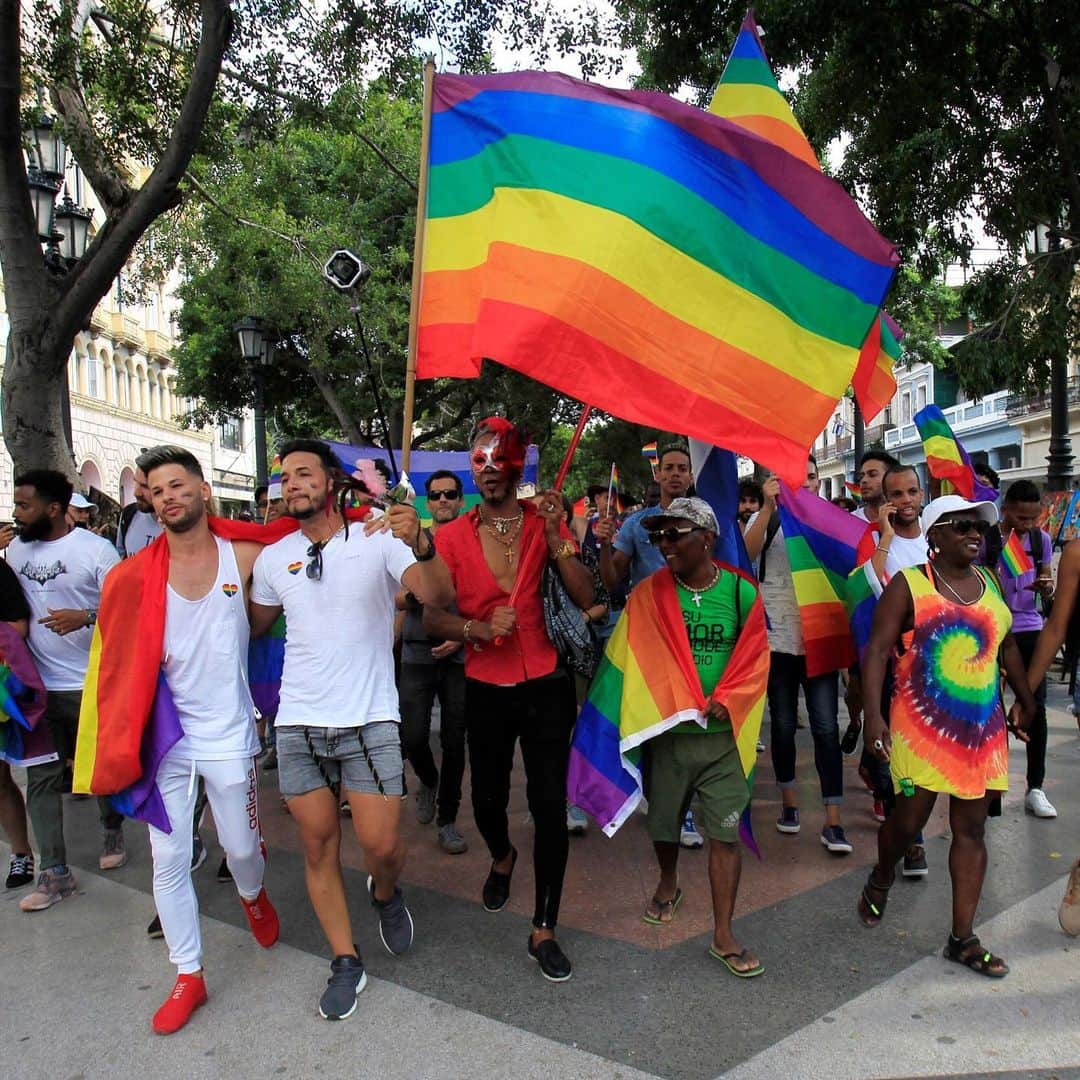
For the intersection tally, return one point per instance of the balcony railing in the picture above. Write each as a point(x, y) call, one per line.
point(966, 417)
point(1027, 404)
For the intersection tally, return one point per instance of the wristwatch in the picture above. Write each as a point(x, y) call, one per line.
point(91, 616)
point(430, 553)
point(565, 550)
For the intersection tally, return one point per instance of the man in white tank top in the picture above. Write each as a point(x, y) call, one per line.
point(205, 664)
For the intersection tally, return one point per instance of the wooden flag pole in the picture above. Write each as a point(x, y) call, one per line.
point(417, 270)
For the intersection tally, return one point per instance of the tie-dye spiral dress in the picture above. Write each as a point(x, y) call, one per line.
point(946, 717)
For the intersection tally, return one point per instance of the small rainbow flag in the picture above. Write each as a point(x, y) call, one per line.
point(274, 482)
point(645, 685)
point(638, 253)
point(946, 458)
point(266, 660)
point(648, 452)
point(1014, 558)
point(749, 95)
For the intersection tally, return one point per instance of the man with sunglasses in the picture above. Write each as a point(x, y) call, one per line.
point(338, 716)
point(431, 667)
point(515, 688)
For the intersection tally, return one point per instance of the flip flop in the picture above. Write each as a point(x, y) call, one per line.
point(670, 906)
point(727, 959)
point(1069, 910)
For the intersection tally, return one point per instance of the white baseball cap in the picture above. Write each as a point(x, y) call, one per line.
point(944, 505)
point(80, 502)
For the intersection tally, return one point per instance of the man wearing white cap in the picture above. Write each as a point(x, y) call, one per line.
point(80, 511)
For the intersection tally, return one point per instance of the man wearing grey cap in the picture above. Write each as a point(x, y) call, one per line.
point(698, 757)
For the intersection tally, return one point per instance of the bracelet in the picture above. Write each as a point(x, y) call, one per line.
point(885, 549)
point(430, 553)
point(565, 550)
point(466, 628)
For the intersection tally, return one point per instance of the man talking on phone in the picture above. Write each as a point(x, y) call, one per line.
point(1020, 514)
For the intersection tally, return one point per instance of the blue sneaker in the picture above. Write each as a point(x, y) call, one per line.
point(833, 838)
point(788, 821)
point(689, 837)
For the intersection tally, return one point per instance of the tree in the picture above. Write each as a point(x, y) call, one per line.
point(135, 81)
point(954, 110)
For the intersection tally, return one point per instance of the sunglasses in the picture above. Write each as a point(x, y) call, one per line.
point(673, 533)
point(438, 496)
point(314, 568)
point(962, 526)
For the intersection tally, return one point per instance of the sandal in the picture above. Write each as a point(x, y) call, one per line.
point(663, 907)
point(980, 960)
point(729, 960)
point(872, 911)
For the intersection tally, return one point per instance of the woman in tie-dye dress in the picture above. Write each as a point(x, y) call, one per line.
point(944, 626)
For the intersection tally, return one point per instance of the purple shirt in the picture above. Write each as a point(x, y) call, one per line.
point(1021, 600)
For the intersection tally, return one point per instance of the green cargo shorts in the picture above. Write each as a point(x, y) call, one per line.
point(680, 765)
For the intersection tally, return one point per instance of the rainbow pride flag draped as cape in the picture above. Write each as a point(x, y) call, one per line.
point(646, 684)
point(644, 256)
point(820, 540)
point(128, 720)
point(946, 458)
point(749, 95)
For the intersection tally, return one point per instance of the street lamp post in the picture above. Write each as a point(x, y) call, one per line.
point(1060, 458)
point(257, 349)
point(63, 232)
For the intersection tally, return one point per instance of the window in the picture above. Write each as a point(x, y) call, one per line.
point(905, 408)
point(920, 396)
point(230, 433)
point(91, 374)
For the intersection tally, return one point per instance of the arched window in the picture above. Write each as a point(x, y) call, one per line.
point(91, 475)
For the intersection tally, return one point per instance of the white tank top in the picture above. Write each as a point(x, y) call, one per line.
point(206, 652)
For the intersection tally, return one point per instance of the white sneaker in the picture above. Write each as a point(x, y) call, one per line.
point(689, 837)
point(1036, 802)
point(577, 821)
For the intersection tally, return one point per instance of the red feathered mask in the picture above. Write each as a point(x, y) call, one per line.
point(503, 450)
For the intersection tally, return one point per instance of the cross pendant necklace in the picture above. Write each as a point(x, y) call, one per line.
point(695, 594)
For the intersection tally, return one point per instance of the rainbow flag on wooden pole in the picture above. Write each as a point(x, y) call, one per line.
point(1016, 560)
point(749, 95)
point(946, 458)
point(637, 253)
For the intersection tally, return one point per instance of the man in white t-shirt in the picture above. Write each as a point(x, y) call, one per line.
point(337, 720)
point(61, 571)
point(205, 652)
point(139, 526)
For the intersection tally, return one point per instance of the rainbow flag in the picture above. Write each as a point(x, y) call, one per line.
point(644, 256)
point(946, 458)
point(646, 684)
point(1014, 558)
point(749, 95)
point(127, 722)
point(24, 739)
point(273, 484)
point(266, 661)
point(820, 540)
point(854, 488)
point(649, 453)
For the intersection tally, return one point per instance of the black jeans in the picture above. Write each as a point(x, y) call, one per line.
point(541, 713)
point(787, 673)
point(1036, 747)
point(417, 688)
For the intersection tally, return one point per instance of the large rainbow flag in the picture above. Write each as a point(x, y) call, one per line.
point(749, 95)
point(644, 256)
point(646, 684)
point(820, 540)
point(946, 458)
point(128, 722)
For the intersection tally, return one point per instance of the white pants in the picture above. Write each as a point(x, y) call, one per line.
point(232, 788)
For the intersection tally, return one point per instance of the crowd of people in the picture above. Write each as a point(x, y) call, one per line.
point(380, 616)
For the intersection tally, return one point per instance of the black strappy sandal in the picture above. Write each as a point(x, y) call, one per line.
point(872, 911)
point(980, 960)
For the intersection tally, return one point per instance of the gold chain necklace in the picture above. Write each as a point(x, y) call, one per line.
point(695, 594)
point(504, 525)
point(959, 599)
point(500, 535)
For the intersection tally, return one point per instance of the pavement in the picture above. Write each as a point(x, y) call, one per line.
point(81, 980)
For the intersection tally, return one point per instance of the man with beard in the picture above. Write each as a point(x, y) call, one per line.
point(61, 571)
point(138, 526)
point(750, 499)
point(205, 666)
point(870, 472)
point(337, 721)
point(514, 686)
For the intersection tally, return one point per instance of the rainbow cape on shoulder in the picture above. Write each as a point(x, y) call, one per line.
point(128, 721)
point(646, 684)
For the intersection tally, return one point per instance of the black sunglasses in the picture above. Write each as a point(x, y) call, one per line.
point(314, 568)
point(962, 526)
point(673, 533)
point(437, 496)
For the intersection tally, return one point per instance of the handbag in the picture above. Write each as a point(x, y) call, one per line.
point(572, 635)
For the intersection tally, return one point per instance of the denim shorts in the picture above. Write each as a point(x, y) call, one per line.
point(365, 760)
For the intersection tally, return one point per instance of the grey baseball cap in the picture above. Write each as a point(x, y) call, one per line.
point(686, 509)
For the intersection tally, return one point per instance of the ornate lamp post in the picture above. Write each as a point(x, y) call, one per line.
point(257, 349)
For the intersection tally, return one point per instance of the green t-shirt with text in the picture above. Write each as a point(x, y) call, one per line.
point(713, 628)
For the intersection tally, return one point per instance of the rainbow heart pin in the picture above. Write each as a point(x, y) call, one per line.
point(230, 590)
point(294, 568)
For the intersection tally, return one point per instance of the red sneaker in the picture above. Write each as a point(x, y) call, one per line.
point(262, 918)
point(187, 995)
point(879, 810)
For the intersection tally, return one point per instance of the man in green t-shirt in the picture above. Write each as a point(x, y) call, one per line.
point(698, 758)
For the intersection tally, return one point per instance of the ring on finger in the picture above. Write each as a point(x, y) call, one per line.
point(878, 744)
